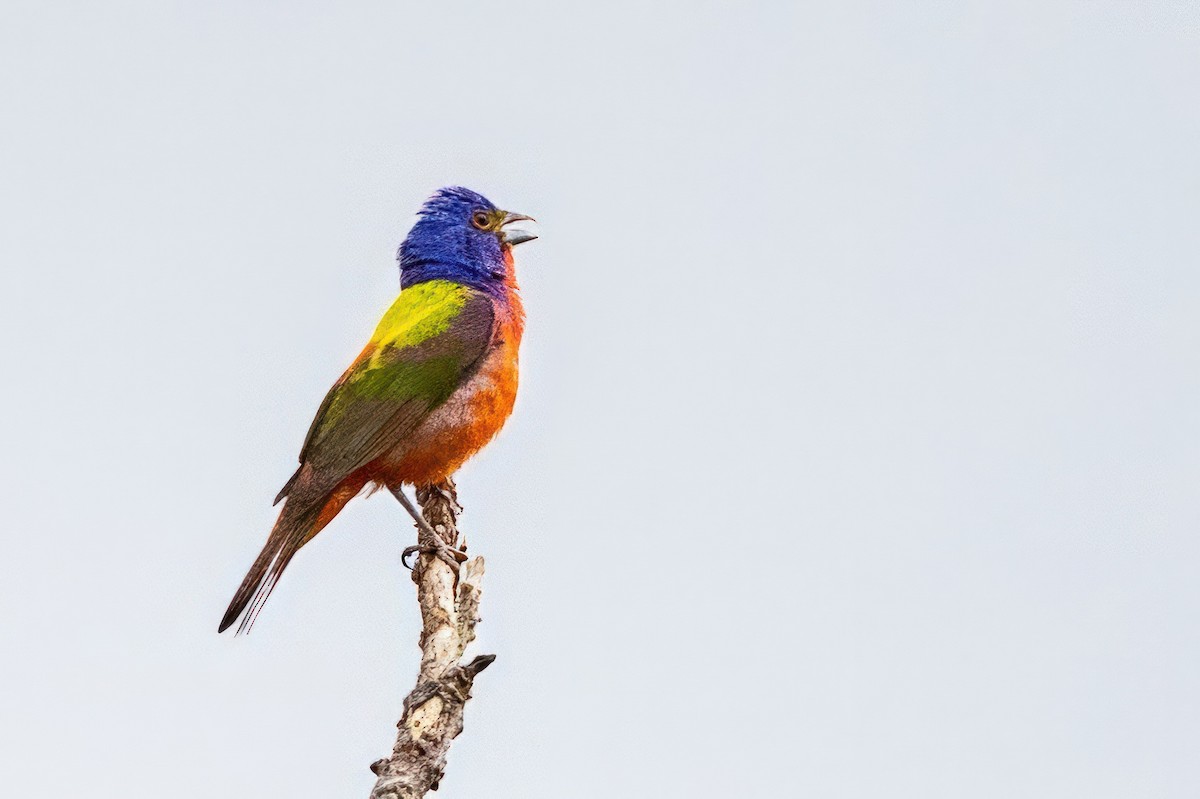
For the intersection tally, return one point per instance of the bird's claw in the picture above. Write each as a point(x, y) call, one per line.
point(449, 555)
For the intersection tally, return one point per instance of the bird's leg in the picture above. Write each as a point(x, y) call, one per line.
point(447, 553)
point(399, 494)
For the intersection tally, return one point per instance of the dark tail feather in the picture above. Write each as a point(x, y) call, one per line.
point(293, 528)
point(305, 513)
point(287, 487)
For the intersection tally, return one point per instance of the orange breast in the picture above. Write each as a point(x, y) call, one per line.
point(467, 421)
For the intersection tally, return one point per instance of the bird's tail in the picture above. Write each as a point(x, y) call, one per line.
point(303, 516)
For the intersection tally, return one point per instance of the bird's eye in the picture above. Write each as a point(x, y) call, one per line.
point(481, 219)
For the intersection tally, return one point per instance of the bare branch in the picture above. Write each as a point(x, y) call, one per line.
point(433, 711)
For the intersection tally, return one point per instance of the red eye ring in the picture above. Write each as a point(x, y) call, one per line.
point(481, 219)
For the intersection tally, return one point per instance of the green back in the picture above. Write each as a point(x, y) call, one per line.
point(429, 342)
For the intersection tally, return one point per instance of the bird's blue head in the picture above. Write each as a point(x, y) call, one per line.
point(460, 236)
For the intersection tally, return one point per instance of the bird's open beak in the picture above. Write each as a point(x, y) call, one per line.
point(514, 237)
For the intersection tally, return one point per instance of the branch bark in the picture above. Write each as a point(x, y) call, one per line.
point(433, 710)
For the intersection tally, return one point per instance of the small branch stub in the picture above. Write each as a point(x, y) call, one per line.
point(433, 710)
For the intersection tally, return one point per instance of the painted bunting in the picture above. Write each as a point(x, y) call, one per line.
point(435, 383)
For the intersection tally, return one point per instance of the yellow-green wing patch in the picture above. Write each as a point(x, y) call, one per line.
point(428, 343)
point(420, 313)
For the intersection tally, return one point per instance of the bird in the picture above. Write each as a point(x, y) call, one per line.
point(435, 383)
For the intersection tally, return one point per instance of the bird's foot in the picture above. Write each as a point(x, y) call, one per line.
point(449, 555)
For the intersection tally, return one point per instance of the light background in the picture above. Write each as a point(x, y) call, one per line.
point(857, 451)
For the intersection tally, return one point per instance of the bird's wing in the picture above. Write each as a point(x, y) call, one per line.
point(428, 343)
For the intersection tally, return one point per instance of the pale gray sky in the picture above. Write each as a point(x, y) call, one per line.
point(857, 451)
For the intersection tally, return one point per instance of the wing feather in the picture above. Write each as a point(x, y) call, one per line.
point(396, 382)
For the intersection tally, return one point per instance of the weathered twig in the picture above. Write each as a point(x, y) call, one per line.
point(433, 711)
